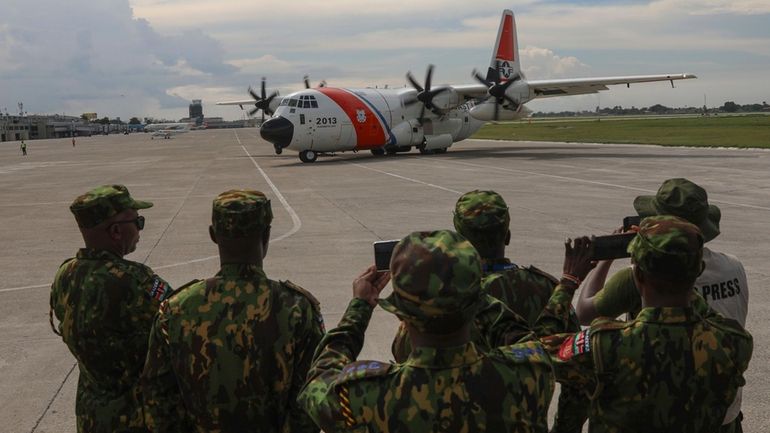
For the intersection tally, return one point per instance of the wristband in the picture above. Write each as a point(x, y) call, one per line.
point(571, 278)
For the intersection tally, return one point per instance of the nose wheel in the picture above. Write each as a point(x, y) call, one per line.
point(308, 156)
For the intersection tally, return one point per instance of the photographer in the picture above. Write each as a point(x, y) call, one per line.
point(670, 369)
point(446, 384)
point(722, 284)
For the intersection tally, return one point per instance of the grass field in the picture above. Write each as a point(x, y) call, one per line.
point(712, 131)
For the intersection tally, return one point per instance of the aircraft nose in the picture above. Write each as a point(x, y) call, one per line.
point(278, 130)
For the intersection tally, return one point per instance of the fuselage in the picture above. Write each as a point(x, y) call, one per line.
point(329, 119)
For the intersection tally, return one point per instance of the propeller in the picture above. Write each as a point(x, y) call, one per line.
point(497, 90)
point(306, 79)
point(262, 102)
point(425, 95)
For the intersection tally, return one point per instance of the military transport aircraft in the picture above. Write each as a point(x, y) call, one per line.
point(325, 120)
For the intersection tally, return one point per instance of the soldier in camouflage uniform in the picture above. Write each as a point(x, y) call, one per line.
point(483, 218)
point(105, 306)
point(446, 384)
point(677, 366)
point(230, 353)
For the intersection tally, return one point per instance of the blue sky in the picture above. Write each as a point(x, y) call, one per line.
point(151, 57)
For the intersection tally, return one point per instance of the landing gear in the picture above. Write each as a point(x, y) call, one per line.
point(308, 156)
point(427, 152)
point(378, 151)
point(278, 150)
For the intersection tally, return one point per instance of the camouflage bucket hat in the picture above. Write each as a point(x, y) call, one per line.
point(240, 213)
point(480, 216)
point(102, 203)
point(669, 247)
point(682, 198)
point(436, 279)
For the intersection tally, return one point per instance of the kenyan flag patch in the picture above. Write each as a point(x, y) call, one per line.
point(577, 344)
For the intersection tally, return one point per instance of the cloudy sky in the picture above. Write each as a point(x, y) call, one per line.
point(151, 57)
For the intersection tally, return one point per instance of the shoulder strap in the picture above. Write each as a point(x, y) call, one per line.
point(362, 370)
point(295, 288)
point(543, 274)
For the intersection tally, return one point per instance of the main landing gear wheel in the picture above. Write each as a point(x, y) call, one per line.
point(378, 151)
point(427, 152)
point(278, 150)
point(308, 156)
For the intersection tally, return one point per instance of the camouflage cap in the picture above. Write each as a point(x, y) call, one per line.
point(685, 199)
point(436, 281)
point(240, 213)
point(481, 210)
point(668, 247)
point(102, 203)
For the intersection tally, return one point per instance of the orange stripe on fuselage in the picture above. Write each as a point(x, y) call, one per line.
point(369, 133)
point(505, 49)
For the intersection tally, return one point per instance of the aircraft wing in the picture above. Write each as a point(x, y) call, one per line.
point(241, 103)
point(582, 86)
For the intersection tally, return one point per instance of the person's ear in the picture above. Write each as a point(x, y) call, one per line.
point(265, 241)
point(113, 230)
point(212, 234)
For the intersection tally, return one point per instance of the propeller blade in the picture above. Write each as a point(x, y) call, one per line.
point(481, 79)
point(263, 87)
point(253, 94)
point(428, 77)
point(322, 84)
point(263, 116)
point(307, 81)
point(253, 111)
point(413, 82)
point(497, 110)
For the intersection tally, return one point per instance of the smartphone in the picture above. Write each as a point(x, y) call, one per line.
point(382, 252)
point(629, 221)
point(611, 246)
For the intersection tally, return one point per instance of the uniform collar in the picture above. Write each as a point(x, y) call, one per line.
point(443, 357)
point(240, 271)
point(92, 254)
point(496, 265)
point(667, 315)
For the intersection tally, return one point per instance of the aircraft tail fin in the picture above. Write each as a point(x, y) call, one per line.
point(505, 57)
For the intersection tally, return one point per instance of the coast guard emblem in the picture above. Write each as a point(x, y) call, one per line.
point(361, 116)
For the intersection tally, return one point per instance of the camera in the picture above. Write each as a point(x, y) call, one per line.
point(629, 221)
point(383, 250)
point(611, 246)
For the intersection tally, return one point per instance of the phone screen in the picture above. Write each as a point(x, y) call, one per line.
point(382, 252)
point(611, 246)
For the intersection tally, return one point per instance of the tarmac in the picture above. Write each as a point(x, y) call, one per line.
point(327, 214)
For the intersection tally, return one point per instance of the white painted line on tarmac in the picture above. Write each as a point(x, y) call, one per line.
point(593, 182)
point(409, 179)
point(296, 222)
point(296, 225)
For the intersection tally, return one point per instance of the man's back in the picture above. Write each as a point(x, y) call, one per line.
point(668, 370)
point(105, 306)
point(454, 389)
point(239, 347)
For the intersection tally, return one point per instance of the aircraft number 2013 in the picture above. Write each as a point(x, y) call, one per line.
point(326, 121)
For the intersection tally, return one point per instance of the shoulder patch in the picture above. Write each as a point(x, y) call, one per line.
point(575, 345)
point(543, 274)
point(158, 289)
point(531, 351)
point(363, 369)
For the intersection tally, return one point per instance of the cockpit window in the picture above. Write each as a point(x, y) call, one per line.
point(284, 101)
point(292, 102)
point(314, 104)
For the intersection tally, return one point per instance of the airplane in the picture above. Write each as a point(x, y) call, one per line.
point(167, 130)
point(325, 120)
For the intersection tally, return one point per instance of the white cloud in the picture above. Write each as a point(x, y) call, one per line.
point(544, 63)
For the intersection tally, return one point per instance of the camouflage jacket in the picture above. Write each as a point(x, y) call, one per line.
point(230, 354)
point(671, 369)
point(105, 306)
point(456, 389)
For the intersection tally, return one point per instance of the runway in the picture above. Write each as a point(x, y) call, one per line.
point(327, 214)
